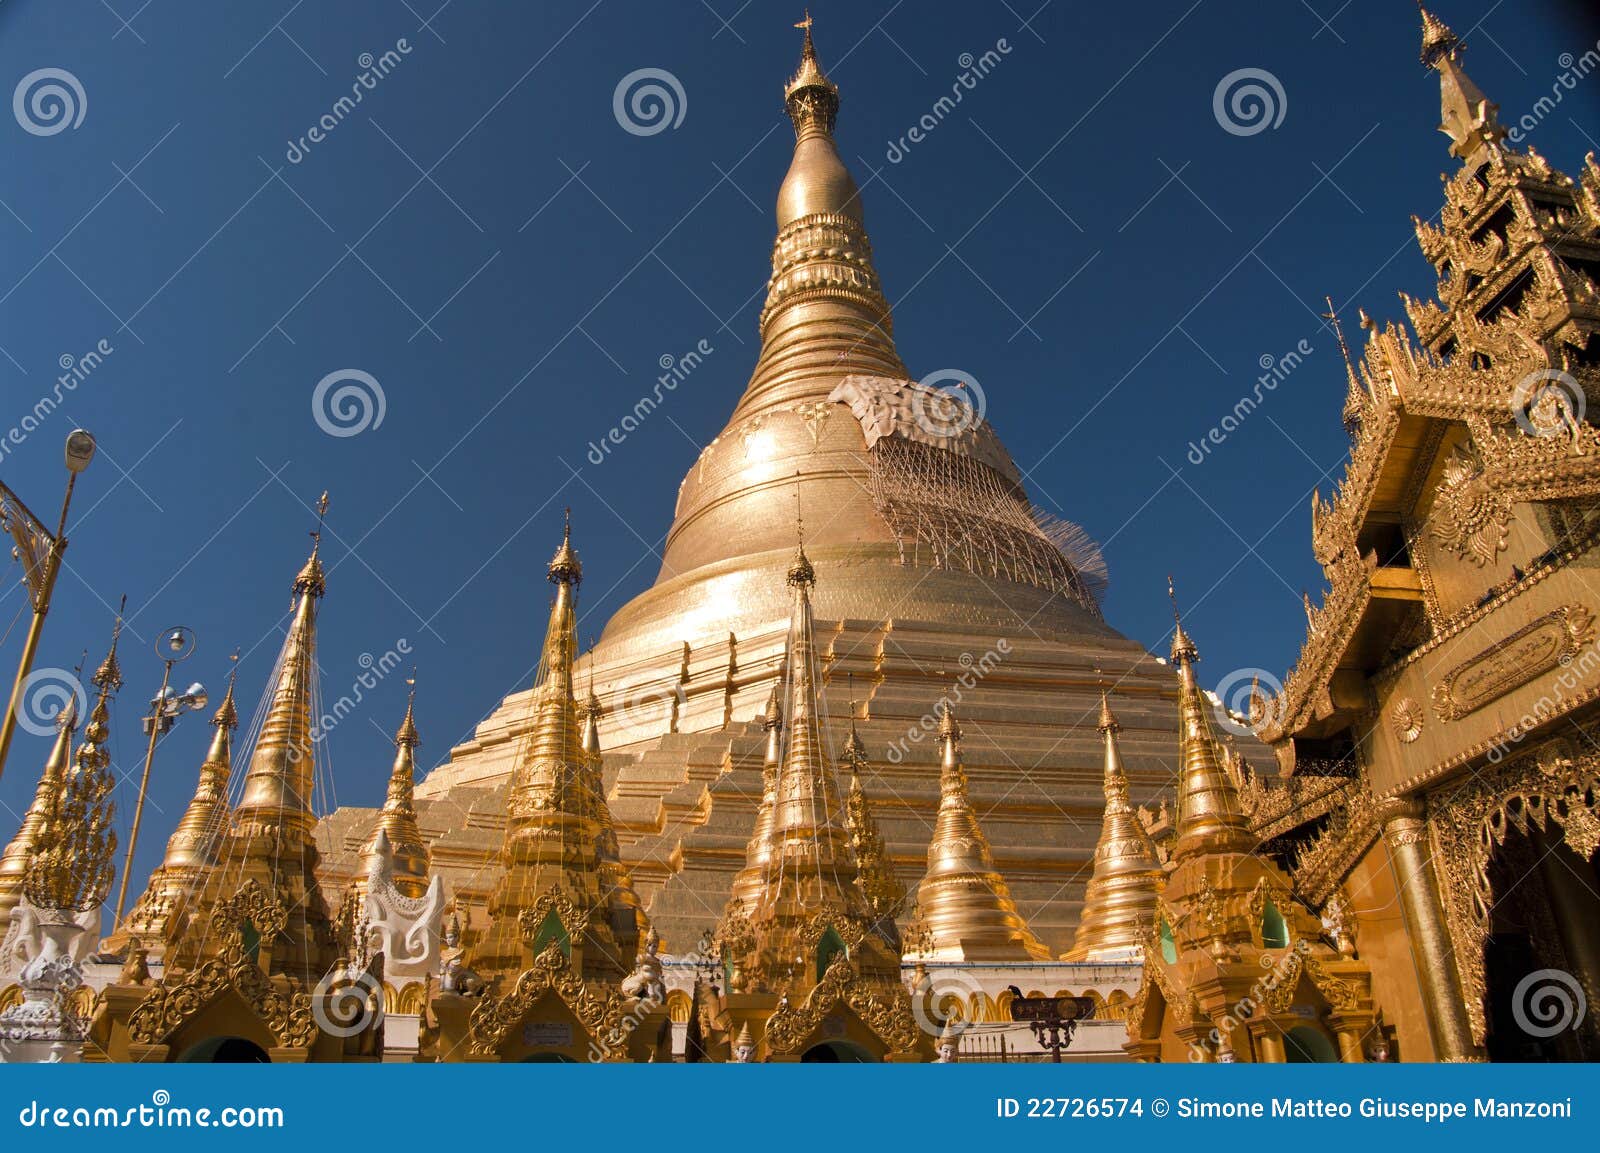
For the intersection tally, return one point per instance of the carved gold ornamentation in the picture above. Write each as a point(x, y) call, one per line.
point(882, 1007)
point(599, 1009)
point(1544, 787)
point(1530, 652)
point(1470, 519)
point(280, 1006)
point(1407, 719)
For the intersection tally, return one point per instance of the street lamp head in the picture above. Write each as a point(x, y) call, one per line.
point(175, 644)
point(195, 697)
point(80, 449)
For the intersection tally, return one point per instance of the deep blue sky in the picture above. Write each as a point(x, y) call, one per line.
point(556, 258)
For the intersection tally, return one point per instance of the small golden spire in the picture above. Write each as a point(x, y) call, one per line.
point(964, 902)
point(74, 858)
point(564, 566)
point(25, 845)
point(1210, 815)
point(1120, 899)
point(397, 838)
point(227, 714)
point(885, 894)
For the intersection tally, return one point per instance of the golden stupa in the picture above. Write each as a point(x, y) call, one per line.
point(940, 581)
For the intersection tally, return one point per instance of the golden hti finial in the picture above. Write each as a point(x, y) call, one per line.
point(812, 99)
point(407, 733)
point(801, 572)
point(1183, 650)
point(311, 580)
point(564, 566)
point(1437, 39)
point(73, 865)
point(227, 714)
point(1355, 395)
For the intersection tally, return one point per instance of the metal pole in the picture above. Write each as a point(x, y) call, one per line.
point(47, 584)
point(156, 717)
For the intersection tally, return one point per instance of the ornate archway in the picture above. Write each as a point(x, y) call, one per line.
point(1548, 798)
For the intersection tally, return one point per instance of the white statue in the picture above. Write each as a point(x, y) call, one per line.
point(406, 930)
point(646, 981)
point(24, 938)
point(44, 1028)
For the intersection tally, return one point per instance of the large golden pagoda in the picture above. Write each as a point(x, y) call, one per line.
point(942, 578)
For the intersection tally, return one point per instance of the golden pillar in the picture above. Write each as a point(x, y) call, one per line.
point(1432, 949)
point(1269, 1044)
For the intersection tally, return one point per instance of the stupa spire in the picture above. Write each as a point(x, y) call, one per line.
point(963, 902)
point(1210, 816)
point(748, 881)
point(1467, 116)
point(557, 853)
point(406, 850)
point(281, 777)
point(72, 862)
point(884, 892)
point(1121, 895)
point(23, 846)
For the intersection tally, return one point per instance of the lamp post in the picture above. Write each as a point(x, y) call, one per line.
point(1053, 1019)
point(40, 551)
point(174, 645)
